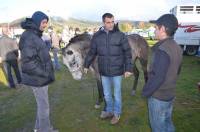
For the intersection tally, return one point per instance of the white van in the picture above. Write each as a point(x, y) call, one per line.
point(188, 32)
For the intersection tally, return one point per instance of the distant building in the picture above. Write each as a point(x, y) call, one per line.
point(14, 31)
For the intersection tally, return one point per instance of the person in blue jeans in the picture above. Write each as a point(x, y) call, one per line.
point(55, 43)
point(164, 71)
point(112, 49)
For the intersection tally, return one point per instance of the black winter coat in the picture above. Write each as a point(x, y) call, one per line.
point(37, 67)
point(113, 52)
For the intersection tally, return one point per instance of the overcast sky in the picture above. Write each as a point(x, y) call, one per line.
point(143, 10)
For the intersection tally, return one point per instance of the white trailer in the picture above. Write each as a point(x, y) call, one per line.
point(188, 32)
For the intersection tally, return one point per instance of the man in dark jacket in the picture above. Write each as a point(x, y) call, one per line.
point(164, 70)
point(114, 59)
point(9, 56)
point(37, 68)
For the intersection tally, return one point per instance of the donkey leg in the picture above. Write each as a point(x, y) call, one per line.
point(100, 94)
point(100, 98)
point(136, 76)
point(100, 91)
point(144, 63)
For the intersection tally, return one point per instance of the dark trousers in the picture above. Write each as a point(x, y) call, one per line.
point(7, 67)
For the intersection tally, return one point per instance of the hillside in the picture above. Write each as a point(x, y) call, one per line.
point(59, 21)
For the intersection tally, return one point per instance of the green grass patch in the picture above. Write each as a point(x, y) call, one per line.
point(72, 105)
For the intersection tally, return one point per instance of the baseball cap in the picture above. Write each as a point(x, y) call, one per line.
point(169, 21)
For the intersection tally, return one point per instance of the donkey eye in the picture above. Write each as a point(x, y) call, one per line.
point(69, 52)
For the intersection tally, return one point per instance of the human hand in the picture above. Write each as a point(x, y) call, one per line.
point(85, 70)
point(127, 74)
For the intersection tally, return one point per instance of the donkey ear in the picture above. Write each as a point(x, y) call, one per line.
point(116, 27)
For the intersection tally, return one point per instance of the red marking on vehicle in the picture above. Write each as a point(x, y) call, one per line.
point(190, 28)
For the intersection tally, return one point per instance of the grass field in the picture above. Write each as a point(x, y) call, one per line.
point(72, 105)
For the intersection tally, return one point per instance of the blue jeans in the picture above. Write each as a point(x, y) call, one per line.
point(107, 84)
point(55, 56)
point(160, 115)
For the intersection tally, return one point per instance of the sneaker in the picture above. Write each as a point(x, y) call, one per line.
point(115, 120)
point(51, 130)
point(105, 115)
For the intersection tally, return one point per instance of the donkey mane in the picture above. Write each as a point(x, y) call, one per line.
point(80, 37)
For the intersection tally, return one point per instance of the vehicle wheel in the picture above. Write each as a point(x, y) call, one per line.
point(191, 50)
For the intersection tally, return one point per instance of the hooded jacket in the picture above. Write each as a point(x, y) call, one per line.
point(37, 67)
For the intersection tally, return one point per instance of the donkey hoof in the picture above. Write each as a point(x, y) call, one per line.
point(97, 106)
point(133, 93)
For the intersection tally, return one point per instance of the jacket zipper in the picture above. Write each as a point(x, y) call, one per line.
point(108, 53)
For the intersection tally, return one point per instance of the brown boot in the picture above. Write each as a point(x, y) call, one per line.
point(105, 115)
point(115, 120)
